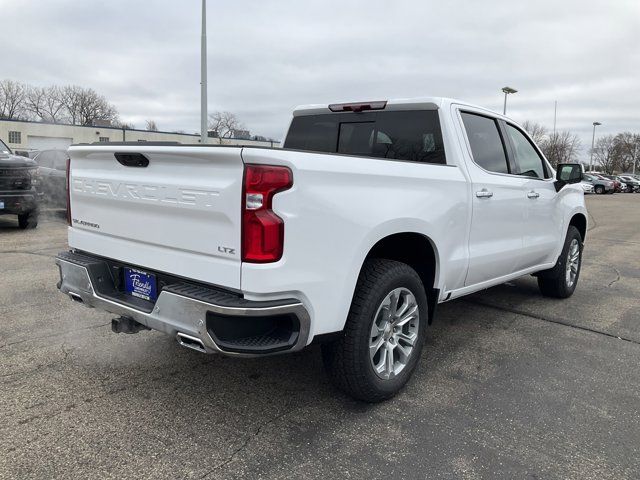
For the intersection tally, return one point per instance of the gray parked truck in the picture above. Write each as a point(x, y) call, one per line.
point(19, 187)
point(600, 185)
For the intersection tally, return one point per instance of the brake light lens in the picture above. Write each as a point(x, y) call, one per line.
point(68, 192)
point(358, 107)
point(262, 229)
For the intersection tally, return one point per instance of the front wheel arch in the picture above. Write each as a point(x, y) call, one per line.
point(580, 222)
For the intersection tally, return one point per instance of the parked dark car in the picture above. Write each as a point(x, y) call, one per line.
point(20, 192)
point(53, 172)
point(633, 185)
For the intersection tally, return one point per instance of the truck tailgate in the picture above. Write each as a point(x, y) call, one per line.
point(180, 214)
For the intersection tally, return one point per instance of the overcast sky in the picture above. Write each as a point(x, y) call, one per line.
point(265, 57)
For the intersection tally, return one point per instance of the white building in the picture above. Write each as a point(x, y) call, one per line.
point(26, 135)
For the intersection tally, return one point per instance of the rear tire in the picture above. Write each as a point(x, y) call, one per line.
point(382, 341)
point(562, 279)
point(28, 220)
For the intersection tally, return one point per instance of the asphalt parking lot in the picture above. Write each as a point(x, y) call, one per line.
point(510, 385)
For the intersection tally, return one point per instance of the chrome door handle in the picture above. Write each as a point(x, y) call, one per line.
point(533, 194)
point(484, 193)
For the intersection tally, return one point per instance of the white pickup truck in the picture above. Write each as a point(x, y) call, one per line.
point(349, 236)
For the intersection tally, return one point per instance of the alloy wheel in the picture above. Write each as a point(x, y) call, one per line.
point(394, 333)
point(573, 262)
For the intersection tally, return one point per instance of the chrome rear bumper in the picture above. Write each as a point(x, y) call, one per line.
point(178, 315)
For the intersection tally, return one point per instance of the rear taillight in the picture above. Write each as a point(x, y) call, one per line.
point(68, 192)
point(262, 229)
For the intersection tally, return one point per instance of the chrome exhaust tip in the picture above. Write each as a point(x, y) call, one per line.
point(188, 341)
point(75, 297)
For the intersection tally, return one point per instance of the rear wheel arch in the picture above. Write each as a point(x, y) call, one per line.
point(415, 250)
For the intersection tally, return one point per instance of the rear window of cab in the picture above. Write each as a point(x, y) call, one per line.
point(413, 136)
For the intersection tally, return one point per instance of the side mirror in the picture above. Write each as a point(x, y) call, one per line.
point(568, 173)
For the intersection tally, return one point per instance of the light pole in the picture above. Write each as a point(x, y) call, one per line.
point(593, 142)
point(203, 76)
point(635, 152)
point(507, 91)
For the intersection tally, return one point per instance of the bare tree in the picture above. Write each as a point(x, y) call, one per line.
point(12, 100)
point(635, 154)
point(46, 103)
point(94, 107)
point(626, 146)
point(536, 131)
point(152, 126)
point(34, 101)
point(71, 100)
point(86, 107)
point(224, 124)
point(604, 153)
point(561, 147)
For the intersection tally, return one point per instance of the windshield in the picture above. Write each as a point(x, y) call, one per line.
point(4, 148)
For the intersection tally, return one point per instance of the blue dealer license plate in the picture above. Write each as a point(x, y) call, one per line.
point(140, 284)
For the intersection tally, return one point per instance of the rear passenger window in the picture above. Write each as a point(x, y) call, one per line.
point(411, 135)
point(355, 138)
point(315, 133)
point(485, 141)
point(528, 161)
point(399, 135)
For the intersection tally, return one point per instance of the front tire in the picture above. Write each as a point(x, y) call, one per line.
point(562, 279)
point(599, 189)
point(383, 335)
point(28, 220)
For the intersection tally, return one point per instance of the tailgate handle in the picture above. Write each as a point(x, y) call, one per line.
point(132, 159)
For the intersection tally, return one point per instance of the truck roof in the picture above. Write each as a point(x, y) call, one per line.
point(414, 103)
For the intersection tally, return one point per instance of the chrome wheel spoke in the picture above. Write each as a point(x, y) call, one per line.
point(385, 313)
point(393, 304)
point(381, 365)
point(401, 311)
point(403, 352)
point(379, 324)
point(389, 364)
point(373, 348)
point(406, 317)
point(394, 332)
point(406, 339)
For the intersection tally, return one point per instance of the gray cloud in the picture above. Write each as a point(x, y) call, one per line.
point(265, 57)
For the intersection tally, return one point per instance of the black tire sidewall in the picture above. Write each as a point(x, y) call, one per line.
point(406, 278)
point(571, 235)
point(555, 282)
point(28, 220)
